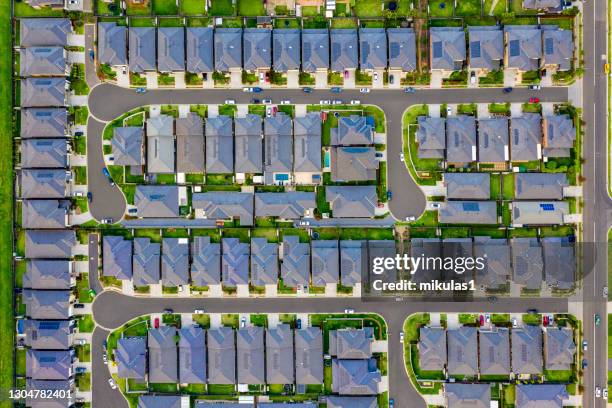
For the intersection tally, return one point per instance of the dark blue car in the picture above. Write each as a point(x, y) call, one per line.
point(257, 89)
point(307, 90)
point(336, 89)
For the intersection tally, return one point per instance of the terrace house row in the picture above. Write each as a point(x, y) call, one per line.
point(527, 395)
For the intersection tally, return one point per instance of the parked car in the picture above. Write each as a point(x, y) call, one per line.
point(89, 196)
point(605, 291)
point(108, 176)
point(402, 157)
point(243, 321)
point(81, 342)
point(472, 77)
point(378, 155)
point(168, 311)
point(585, 345)
point(156, 323)
point(349, 311)
point(141, 90)
point(389, 195)
point(80, 370)
point(545, 320)
point(364, 90)
point(257, 89)
point(324, 102)
point(267, 101)
point(514, 322)
point(298, 324)
point(247, 89)
point(508, 89)
point(286, 102)
point(449, 110)
point(78, 133)
point(307, 90)
point(597, 319)
point(268, 111)
point(112, 384)
point(104, 345)
point(230, 102)
point(410, 218)
point(106, 221)
point(436, 205)
point(133, 210)
point(391, 403)
point(534, 99)
point(535, 87)
point(597, 392)
point(92, 54)
point(481, 320)
point(375, 76)
point(255, 100)
point(336, 89)
point(104, 358)
point(584, 364)
point(409, 90)
point(604, 393)
point(262, 77)
point(391, 79)
point(606, 68)
point(198, 311)
point(79, 306)
point(401, 337)
point(336, 102)
point(355, 102)
point(346, 74)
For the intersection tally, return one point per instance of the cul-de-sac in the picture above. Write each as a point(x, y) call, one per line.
point(305, 203)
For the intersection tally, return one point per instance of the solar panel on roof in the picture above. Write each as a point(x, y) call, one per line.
point(49, 325)
point(471, 207)
point(437, 49)
point(515, 48)
point(475, 49)
point(44, 114)
point(47, 359)
point(549, 46)
point(551, 131)
point(44, 143)
point(43, 82)
point(516, 136)
point(547, 207)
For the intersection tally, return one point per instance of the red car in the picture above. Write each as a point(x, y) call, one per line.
point(156, 323)
point(481, 320)
point(346, 74)
point(534, 100)
point(545, 320)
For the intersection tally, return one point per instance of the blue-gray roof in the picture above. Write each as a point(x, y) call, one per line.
point(38, 61)
point(539, 212)
point(353, 163)
point(206, 262)
point(431, 137)
point(175, 261)
point(142, 49)
point(468, 212)
point(351, 402)
point(200, 46)
point(117, 257)
point(307, 143)
point(157, 201)
point(402, 49)
point(372, 48)
point(223, 205)
point(219, 145)
point(540, 395)
point(248, 153)
point(48, 334)
point(48, 364)
point(462, 351)
point(494, 351)
point(352, 201)
point(286, 49)
point(315, 49)
point(43, 92)
point(353, 130)
point(447, 48)
point(558, 47)
point(295, 267)
point(432, 348)
point(44, 122)
point(344, 53)
point(475, 186)
point(44, 213)
point(163, 358)
point(559, 348)
point(526, 137)
point(351, 343)
point(159, 401)
point(264, 264)
point(527, 350)
point(127, 146)
point(524, 47)
point(55, 244)
point(527, 262)
point(493, 140)
point(559, 262)
point(47, 274)
point(542, 186)
point(251, 360)
point(288, 205)
point(44, 31)
point(47, 304)
point(44, 153)
point(461, 139)
point(192, 355)
point(170, 49)
point(228, 49)
point(325, 262)
point(486, 47)
point(234, 262)
point(257, 49)
point(131, 357)
point(112, 44)
point(559, 135)
point(355, 377)
point(467, 395)
point(278, 143)
point(221, 356)
point(279, 355)
point(497, 271)
point(352, 261)
point(145, 262)
point(309, 356)
point(43, 183)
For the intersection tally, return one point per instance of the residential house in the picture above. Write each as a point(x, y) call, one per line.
point(112, 44)
point(494, 351)
point(279, 354)
point(117, 257)
point(308, 356)
point(526, 137)
point(344, 49)
point(48, 334)
point(251, 359)
point(44, 32)
point(527, 262)
point(289, 205)
point(307, 148)
point(402, 49)
point(286, 50)
point(163, 358)
point(295, 262)
point(189, 144)
point(461, 139)
point(219, 145)
point(462, 351)
point(131, 357)
point(257, 49)
point(486, 44)
point(44, 122)
point(206, 262)
point(175, 262)
point(160, 144)
point(142, 45)
point(44, 214)
point(382, 249)
point(447, 48)
point(372, 49)
point(155, 201)
point(334, 401)
point(228, 49)
point(160, 401)
point(44, 183)
point(224, 205)
point(315, 50)
point(43, 92)
point(127, 145)
point(42, 61)
point(325, 262)
point(64, 385)
point(547, 5)
point(355, 377)
point(559, 348)
point(170, 49)
point(248, 152)
point(458, 395)
point(352, 262)
point(56, 244)
point(278, 144)
point(234, 262)
point(47, 304)
point(559, 135)
point(497, 269)
point(49, 364)
point(558, 48)
point(523, 47)
point(264, 262)
point(432, 348)
point(431, 137)
point(475, 186)
point(200, 45)
point(145, 262)
point(352, 201)
point(44, 153)
point(539, 212)
point(468, 212)
point(559, 262)
point(221, 356)
point(353, 163)
point(527, 350)
point(39, 4)
point(353, 130)
point(493, 146)
point(192, 355)
point(539, 186)
point(351, 344)
point(540, 395)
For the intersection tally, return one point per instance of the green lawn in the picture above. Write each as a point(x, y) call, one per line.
point(251, 8)
point(165, 7)
point(368, 8)
point(86, 324)
point(192, 7)
point(498, 10)
point(221, 8)
point(468, 8)
point(440, 8)
point(24, 10)
point(138, 9)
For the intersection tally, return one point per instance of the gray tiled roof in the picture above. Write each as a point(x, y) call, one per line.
point(127, 146)
point(264, 263)
point(200, 46)
point(47, 274)
point(353, 130)
point(221, 356)
point(290, 205)
point(559, 135)
point(43, 183)
point(344, 53)
point(486, 47)
point(162, 125)
point(117, 257)
point(286, 49)
point(468, 212)
point(539, 212)
point(248, 151)
point(42, 92)
point(112, 44)
point(558, 47)
point(493, 140)
point(559, 262)
point(526, 137)
point(541, 4)
point(278, 143)
point(315, 49)
point(48, 365)
point(206, 262)
point(309, 356)
point(523, 47)
point(462, 351)
point(45, 3)
point(145, 262)
point(48, 61)
point(372, 48)
point(44, 32)
point(228, 48)
point(295, 266)
point(157, 201)
point(159, 401)
point(352, 261)
point(476, 186)
point(307, 143)
point(540, 395)
point(223, 205)
point(234, 262)
point(431, 137)
point(447, 48)
point(160, 154)
point(190, 144)
point(131, 357)
point(527, 350)
point(208, 404)
point(257, 49)
point(402, 49)
point(382, 249)
point(353, 163)
point(559, 348)
point(38, 401)
point(461, 139)
point(163, 359)
point(44, 153)
point(175, 261)
point(47, 304)
point(352, 201)
point(325, 262)
point(142, 49)
point(533, 186)
point(352, 344)
point(355, 377)
point(279, 355)
point(251, 364)
point(170, 49)
point(351, 402)
point(430, 247)
point(494, 351)
point(44, 213)
point(44, 122)
point(219, 145)
point(497, 267)
point(48, 334)
point(527, 262)
point(432, 348)
point(49, 244)
point(192, 355)
point(467, 395)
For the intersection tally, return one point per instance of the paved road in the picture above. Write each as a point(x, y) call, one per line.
point(103, 396)
point(94, 258)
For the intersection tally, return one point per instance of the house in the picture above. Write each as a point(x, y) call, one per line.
point(200, 44)
point(527, 262)
point(248, 153)
point(163, 358)
point(175, 262)
point(286, 49)
point(539, 212)
point(351, 344)
point(458, 395)
point(127, 146)
point(160, 144)
point(325, 262)
point(44, 153)
point(112, 44)
point(475, 186)
point(264, 263)
point(39, 4)
point(65, 387)
point(539, 186)
point(402, 49)
point(170, 49)
point(447, 48)
point(353, 163)
point(486, 45)
point(44, 32)
point(43, 92)
point(157, 201)
point(145, 262)
point(289, 205)
point(234, 262)
point(432, 348)
point(49, 364)
point(308, 356)
point(228, 49)
point(160, 401)
point(431, 137)
point(295, 262)
point(461, 139)
point(494, 351)
point(257, 49)
point(44, 214)
point(47, 304)
point(559, 348)
point(559, 135)
point(279, 354)
point(526, 137)
point(372, 49)
point(455, 248)
point(224, 205)
point(493, 144)
point(48, 334)
point(44, 122)
point(558, 48)
point(352, 262)
point(131, 357)
point(315, 50)
point(559, 262)
point(548, 5)
point(56, 244)
point(523, 47)
point(307, 145)
point(540, 395)
point(468, 212)
point(221, 356)
point(192, 355)
point(344, 49)
point(497, 270)
point(352, 201)
point(42, 61)
point(142, 44)
point(382, 249)
point(117, 257)
point(206, 262)
point(462, 351)
point(353, 402)
point(251, 360)
point(527, 350)
point(219, 145)
point(44, 183)
point(189, 144)
point(207, 404)
point(355, 377)
point(353, 130)
point(278, 144)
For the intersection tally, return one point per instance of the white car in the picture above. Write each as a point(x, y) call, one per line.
point(364, 90)
point(402, 157)
point(605, 291)
point(410, 218)
point(106, 221)
point(104, 359)
point(488, 318)
point(249, 89)
point(324, 102)
point(262, 77)
point(267, 101)
point(376, 77)
point(230, 102)
point(198, 311)
point(604, 393)
point(286, 102)
point(355, 102)
point(449, 111)
point(243, 321)
point(435, 206)
point(349, 311)
point(336, 102)
point(597, 392)
point(401, 337)
point(306, 223)
point(81, 342)
point(112, 384)
point(514, 322)
point(535, 87)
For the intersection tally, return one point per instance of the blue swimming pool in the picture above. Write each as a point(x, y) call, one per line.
point(326, 159)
